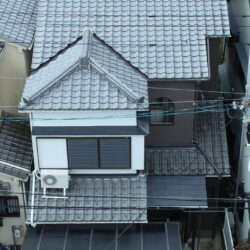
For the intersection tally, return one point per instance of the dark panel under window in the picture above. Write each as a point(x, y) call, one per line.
point(82, 153)
point(115, 153)
point(9, 206)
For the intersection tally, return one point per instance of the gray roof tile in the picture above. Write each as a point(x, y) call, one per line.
point(17, 23)
point(107, 81)
point(164, 39)
point(97, 199)
point(210, 135)
point(15, 147)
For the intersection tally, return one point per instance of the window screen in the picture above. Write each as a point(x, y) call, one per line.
point(9, 206)
point(83, 153)
point(115, 153)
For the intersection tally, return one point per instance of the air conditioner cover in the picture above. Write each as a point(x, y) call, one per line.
point(54, 178)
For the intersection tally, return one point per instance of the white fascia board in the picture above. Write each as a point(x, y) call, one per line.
point(84, 118)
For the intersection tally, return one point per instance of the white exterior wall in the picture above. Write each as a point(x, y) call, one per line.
point(84, 118)
point(14, 68)
point(59, 160)
point(6, 236)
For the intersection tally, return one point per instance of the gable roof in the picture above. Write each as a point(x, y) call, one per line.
point(16, 155)
point(164, 39)
point(88, 75)
point(18, 18)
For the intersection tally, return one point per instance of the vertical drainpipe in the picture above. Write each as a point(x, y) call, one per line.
point(33, 200)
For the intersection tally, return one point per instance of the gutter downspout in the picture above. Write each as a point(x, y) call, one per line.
point(32, 200)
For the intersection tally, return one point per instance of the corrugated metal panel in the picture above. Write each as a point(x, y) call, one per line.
point(115, 153)
point(82, 153)
point(160, 236)
point(190, 189)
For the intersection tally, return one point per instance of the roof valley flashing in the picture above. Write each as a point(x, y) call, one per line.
point(83, 62)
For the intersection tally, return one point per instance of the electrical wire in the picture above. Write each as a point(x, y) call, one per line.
point(178, 102)
point(148, 114)
point(173, 198)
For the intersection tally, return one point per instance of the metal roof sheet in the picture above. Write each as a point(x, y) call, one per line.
point(16, 153)
point(164, 39)
point(92, 199)
point(179, 191)
point(17, 23)
point(160, 236)
point(88, 75)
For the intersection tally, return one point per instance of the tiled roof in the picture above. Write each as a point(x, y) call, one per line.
point(97, 199)
point(201, 158)
point(164, 39)
point(17, 23)
point(15, 147)
point(88, 75)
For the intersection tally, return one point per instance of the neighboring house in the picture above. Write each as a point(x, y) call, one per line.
point(17, 27)
point(15, 167)
point(236, 73)
point(117, 82)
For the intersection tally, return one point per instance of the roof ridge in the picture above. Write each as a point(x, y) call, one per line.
point(80, 62)
point(115, 81)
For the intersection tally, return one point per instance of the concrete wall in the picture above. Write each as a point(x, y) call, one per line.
point(182, 130)
point(6, 236)
point(14, 67)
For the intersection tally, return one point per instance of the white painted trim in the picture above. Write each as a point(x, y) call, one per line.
point(14, 166)
point(102, 171)
point(33, 200)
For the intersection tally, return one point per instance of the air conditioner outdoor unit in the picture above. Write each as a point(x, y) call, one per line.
point(51, 178)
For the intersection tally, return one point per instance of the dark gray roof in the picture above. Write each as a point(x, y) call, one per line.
point(18, 21)
point(177, 191)
point(88, 75)
point(164, 39)
point(15, 147)
point(159, 236)
point(92, 199)
point(208, 154)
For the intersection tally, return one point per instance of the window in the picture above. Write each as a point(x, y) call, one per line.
point(48, 156)
point(9, 206)
point(1, 48)
point(161, 110)
point(96, 153)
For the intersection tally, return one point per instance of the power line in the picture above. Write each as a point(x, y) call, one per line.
point(192, 90)
point(164, 113)
point(174, 198)
point(178, 102)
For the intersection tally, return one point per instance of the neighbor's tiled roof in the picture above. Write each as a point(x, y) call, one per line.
point(202, 158)
point(97, 199)
point(164, 39)
point(88, 75)
point(17, 22)
point(15, 147)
